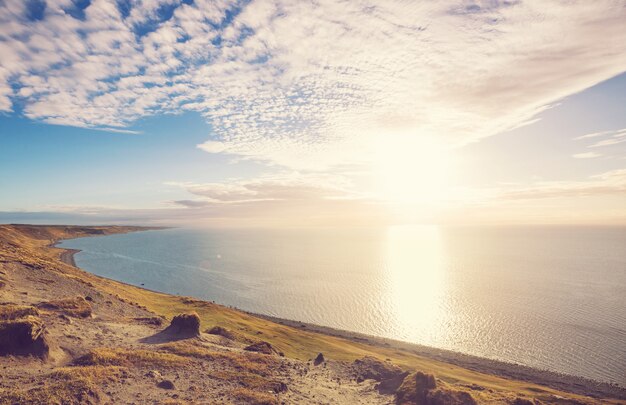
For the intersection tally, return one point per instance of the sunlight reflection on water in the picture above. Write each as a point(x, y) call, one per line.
point(414, 263)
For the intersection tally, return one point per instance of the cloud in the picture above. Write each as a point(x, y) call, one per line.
point(601, 139)
point(608, 142)
point(608, 183)
point(306, 84)
point(586, 155)
point(279, 187)
point(119, 130)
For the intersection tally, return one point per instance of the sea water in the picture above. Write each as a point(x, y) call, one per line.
point(547, 297)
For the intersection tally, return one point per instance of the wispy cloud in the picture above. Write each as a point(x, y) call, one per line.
point(608, 142)
point(297, 83)
point(601, 139)
point(119, 130)
point(279, 187)
point(608, 183)
point(615, 133)
point(586, 155)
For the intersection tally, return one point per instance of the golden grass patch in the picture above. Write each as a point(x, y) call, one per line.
point(126, 357)
point(95, 374)
point(250, 397)
point(77, 306)
point(247, 362)
point(9, 311)
point(251, 381)
point(67, 386)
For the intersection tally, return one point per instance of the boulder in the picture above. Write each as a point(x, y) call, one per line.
point(386, 373)
point(166, 384)
point(220, 331)
point(25, 337)
point(319, 359)
point(371, 368)
point(261, 347)
point(185, 325)
point(150, 320)
point(442, 396)
point(414, 388)
point(523, 401)
point(153, 374)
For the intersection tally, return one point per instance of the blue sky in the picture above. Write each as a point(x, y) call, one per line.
point(284, 112)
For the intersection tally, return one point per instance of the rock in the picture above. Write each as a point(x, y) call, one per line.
point(261, 347)
point(414, 388)
point(185, 325)
point(474, 387)
point(371, 368)
point(66, 318)
point(153, 374)
point(319, 359)
point(24, 337)
point(386, 373)
point(522, 401)
point(280, 387)
point(220, 331)
point(150, 320)
point(442, 396)
point(166, 384)
point(88, 298)
point(390, 385)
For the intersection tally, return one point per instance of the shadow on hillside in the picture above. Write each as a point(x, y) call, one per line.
point(166, 336)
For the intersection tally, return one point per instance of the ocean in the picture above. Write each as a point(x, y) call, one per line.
point(547, 297)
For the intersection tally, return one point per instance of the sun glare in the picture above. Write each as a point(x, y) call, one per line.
point(411, 169)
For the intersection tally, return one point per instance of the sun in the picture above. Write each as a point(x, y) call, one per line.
point(411, 169)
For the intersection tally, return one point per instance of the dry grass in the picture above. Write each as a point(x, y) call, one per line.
point(230, 335)
point(56, 393)
point(250, 397)
point(93, 374)
point(77, 306)
point(241, 361)
point(250, 381)
point(9, 311)
point(67, 386)
point(127, 358)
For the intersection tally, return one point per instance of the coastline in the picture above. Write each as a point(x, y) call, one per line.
point(559, 381)
point(67, 256)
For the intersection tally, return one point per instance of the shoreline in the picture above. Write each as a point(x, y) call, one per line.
point(67, 256)
point(552, 379)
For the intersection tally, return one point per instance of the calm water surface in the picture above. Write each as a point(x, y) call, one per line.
point(552, 298)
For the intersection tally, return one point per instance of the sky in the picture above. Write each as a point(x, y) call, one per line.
point(301, 113)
